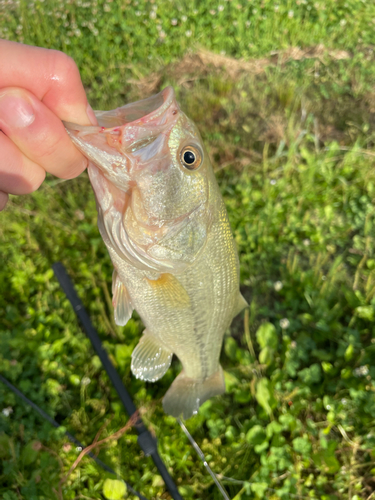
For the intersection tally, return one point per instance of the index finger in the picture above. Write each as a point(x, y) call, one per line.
point(50, 75)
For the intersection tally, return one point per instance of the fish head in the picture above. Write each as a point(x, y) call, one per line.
point(150, 171)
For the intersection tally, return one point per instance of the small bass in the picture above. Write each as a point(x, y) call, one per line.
point(164, 222)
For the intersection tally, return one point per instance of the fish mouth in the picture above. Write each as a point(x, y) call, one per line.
point(127, 129)
point(124, 131)
point(144, 114)
point(139, 112)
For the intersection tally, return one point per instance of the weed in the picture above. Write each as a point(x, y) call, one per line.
point(291, 133)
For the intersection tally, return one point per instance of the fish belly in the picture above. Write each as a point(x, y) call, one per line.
point(212, 285)
point(186, 314)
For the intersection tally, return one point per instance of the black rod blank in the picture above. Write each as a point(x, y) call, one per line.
point(145, 440)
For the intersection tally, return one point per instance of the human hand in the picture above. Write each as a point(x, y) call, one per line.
point(38, 88)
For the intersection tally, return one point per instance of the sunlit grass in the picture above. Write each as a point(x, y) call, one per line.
point(293, 148)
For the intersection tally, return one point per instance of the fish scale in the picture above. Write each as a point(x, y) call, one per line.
point(164, 222)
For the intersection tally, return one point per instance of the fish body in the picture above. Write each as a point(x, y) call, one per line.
point(164, 222)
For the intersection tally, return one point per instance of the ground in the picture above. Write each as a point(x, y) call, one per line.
point(284, 98)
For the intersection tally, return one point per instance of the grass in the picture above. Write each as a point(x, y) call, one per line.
point(292, 140)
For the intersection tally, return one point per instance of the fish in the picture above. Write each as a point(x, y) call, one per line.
point(164, 222)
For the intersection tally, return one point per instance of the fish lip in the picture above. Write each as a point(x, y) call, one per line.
point(154, 117)
point(140, 123)
point(114, 122)
point(168, 98)
point(119, 116)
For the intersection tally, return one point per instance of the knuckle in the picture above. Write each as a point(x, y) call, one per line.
point(56, 154)
point(64, 67)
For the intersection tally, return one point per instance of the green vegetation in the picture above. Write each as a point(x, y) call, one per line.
point(292, 136)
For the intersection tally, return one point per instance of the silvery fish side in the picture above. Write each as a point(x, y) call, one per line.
point(163, 220)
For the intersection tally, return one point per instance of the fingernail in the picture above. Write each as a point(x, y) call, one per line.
point(15, 112)
point(91, 115)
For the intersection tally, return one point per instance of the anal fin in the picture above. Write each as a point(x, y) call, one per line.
point(150, 360)
point(185, 395)
point(123, 308)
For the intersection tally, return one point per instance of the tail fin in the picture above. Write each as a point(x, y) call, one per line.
point(185, 395)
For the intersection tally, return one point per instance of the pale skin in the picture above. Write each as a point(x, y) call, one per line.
point(38, 89)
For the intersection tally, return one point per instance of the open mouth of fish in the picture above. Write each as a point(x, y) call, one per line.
point(129, 128)
point(124, 131)
point(126, 141)
point(146, 110)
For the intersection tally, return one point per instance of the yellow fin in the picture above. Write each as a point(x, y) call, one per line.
point(169, 291)
point(240, 304)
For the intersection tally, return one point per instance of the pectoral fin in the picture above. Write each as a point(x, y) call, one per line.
point(123, 308)
point(150, 360)
point(170, 292)
point(240, 304)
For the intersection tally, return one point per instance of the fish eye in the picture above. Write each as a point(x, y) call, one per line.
point(191, 157)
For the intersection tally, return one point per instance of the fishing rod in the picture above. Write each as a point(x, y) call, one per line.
point(145, 440)
point(71, 438)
